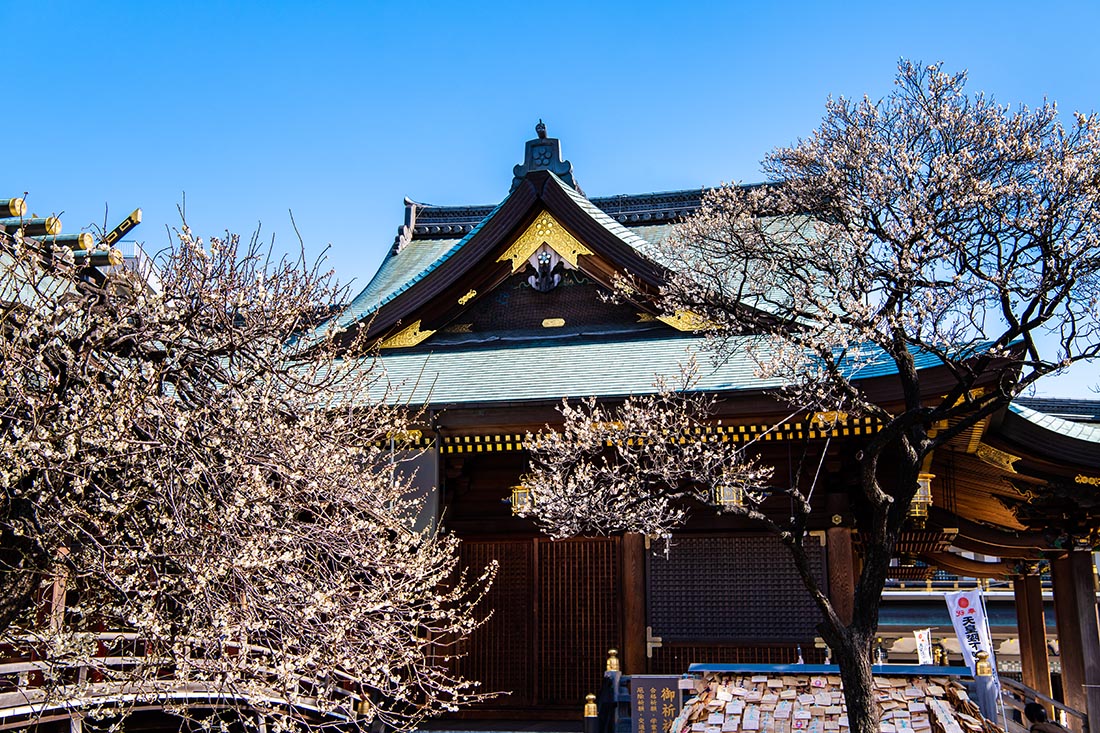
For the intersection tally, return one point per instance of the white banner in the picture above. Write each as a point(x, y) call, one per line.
point(968, 615)
point(924, 645)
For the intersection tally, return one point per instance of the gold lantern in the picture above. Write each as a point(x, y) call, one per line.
point(729, 495)
point(521, 498)
point(918, 507)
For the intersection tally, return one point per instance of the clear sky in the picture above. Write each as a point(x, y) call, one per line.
point(336, 111)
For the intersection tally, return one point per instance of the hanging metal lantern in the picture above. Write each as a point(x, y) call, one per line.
point(918, 507)
point(728, 495)
point(521, 498)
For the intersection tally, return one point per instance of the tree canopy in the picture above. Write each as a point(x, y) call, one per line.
point(931, 227)
point(198, 495)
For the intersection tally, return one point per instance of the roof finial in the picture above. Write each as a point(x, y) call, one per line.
point(544, 154)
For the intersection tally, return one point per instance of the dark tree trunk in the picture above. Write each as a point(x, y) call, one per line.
point(881, 524)
point(22, 563)
point(23, 558)
point(852, 652)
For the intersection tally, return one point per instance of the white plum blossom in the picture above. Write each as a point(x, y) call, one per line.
point(932, 227)
point(209, 498)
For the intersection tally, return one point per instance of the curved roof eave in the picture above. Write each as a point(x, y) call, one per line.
point(1060, 440)
point(372, 297)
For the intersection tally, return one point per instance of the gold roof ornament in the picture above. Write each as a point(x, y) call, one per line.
point(408, 336)
point(1000, 459)
point(829, 418)
point(13, 207)
point(544, 230)
point(686, 321)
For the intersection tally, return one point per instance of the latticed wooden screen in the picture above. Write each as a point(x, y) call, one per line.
point(578, 616)
point(555, 615)
point(497, 655)
point(732, 589)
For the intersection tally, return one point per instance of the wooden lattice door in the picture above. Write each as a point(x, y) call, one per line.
point(555, 614)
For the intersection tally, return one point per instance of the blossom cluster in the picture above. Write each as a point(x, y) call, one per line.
point(208, 503)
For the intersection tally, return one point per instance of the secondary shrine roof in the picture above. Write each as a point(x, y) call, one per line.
point(1087, 411)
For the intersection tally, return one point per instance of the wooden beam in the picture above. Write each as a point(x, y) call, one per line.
point(634, 596)
point(984, 548)
point(968, 568)
point(1032, 628)
point(1002, 539)
point(842, 578)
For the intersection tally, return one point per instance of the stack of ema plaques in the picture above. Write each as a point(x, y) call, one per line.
point(730, 703)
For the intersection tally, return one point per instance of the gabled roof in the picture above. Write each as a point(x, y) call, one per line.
point(437, 232)
point(428, 278)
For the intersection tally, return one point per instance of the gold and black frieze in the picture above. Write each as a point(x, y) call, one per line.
point(501, 442)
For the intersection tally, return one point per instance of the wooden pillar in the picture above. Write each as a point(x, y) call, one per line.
point(1084, 579)
point(842, 575)
point(634, 597)
point(1078, 632)
point(1032, 628)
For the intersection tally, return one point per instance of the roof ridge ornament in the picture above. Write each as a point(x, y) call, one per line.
point(544, 154)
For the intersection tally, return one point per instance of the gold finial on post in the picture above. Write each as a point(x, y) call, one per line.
point(612, 660)
point(590, 710)
point(982, 668)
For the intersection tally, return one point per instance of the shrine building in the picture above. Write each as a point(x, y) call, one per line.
point(489, 316)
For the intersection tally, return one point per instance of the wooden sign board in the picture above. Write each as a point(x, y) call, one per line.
point(654, 703)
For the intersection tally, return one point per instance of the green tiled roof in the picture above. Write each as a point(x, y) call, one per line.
point(550, 370)
point(1067, 408)
point(401, 270)
point(398, 272)
point(626, 235)
point(653, 234)
point(546, 370)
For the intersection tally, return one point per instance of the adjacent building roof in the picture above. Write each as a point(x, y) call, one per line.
point(1056, 439)
point(1087, 411)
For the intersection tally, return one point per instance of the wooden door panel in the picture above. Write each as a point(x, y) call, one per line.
point(555, 612)
point(578, 616)
point(498, 653)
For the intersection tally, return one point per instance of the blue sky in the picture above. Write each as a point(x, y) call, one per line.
point(337, 111)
